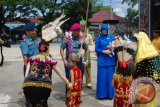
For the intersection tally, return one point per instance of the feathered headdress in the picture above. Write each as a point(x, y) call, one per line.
point(52, 29)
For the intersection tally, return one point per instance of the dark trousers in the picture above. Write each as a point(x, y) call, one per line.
point(24, 70)
point(27, 101)
point(37, 96)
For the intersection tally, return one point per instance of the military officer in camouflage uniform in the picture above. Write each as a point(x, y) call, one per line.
point(76, 45)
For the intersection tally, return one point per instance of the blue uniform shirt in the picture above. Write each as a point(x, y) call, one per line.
point(102, 43)
point(29, 47)
point(75, 45)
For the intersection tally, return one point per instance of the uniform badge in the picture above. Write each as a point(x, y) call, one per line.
point(30, 43)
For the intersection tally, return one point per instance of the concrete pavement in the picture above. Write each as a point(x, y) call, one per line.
point(14, 53)
point(11, 79)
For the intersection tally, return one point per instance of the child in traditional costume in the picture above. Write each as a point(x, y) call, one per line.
point(73, 98)
point(122, 78)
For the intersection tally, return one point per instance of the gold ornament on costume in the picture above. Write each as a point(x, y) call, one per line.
point(155, 75)
point(146, 49)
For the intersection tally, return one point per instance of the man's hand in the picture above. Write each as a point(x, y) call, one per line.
point(1, 41)
point(107, 52)
point(66, 63)
point(85, 63)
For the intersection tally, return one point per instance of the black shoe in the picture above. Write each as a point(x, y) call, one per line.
point(100, 98)
point(89, 87)
point(110, 98)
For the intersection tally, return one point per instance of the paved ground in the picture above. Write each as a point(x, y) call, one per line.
point(11, 79)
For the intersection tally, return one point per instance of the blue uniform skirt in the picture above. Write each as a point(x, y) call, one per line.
point(104, 82)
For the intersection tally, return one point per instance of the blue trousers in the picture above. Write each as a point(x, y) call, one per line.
point(104, 82)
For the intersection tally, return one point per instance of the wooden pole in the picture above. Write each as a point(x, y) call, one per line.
point(87, 11)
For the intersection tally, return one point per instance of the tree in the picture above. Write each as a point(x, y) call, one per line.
point(75, 10)
point(23, 9)
point(99, 7)
point(49, 9)
point(132, 16)
point(130, 2)
point(12, 9)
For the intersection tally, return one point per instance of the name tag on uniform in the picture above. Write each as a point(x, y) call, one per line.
point(30, 43)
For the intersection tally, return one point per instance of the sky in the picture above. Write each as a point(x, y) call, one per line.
point(120, 9)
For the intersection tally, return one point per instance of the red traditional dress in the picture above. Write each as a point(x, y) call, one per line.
point(122, 78)
point(74, 94)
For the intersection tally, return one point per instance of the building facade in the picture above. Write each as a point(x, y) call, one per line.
point(149, 15)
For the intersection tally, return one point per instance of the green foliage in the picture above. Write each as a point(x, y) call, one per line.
point(49, 9)
point(132, 15)
point(130, 2)
point(99, 7)
point(75, 11)
point(12, 9)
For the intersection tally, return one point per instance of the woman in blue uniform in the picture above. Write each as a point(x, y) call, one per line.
point(106, 64)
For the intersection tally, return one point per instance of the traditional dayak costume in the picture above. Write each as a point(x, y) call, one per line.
point(37, 85)
point(74, 95)
point(122, 79)
point(147, 64)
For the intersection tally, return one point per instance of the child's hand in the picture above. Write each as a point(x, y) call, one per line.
point(69, 85)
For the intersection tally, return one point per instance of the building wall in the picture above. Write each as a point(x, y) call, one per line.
point(149, 15)
point(155, 15)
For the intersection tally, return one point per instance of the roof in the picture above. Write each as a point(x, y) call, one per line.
point(14, 24)
point(35, 20)
point(23, 20)
point(103, 15)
